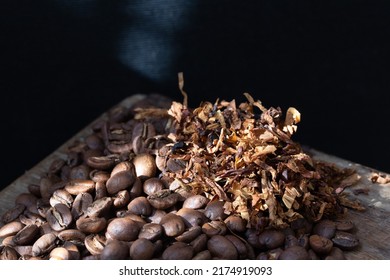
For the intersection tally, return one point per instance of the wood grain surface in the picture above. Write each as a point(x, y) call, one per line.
point(372, 225)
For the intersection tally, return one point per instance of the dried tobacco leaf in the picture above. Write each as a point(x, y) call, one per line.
point(244, 155)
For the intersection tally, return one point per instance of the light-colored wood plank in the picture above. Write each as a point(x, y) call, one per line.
point(373, 225)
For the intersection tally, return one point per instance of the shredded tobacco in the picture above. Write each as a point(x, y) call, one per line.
point(244, 155)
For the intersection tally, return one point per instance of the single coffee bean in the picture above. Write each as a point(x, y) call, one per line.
point(336, 254)
point(122, 166)
point(99, 176)
point(195, 202)
point(236, 223)
point(94, 142)
point(253, 238)
point(192, 217)
point(81, 204)
point(151, 231)
point(136, 189)
point(61, 196)
point(13, 213)
point(156, 216)
point(122, 229)
point(222, 248)
point(325, 228)
point(72, 235)
point(163, 199)
point(178, 251)
point(321, 245)
point(203, 255)
point(10, 229)
point(121, 199)
point(145, 165)
point(142, 249)
point(115, 250)
point(120, 181)
point(95, 243)
point(172, 224)
point(59, 253)
point(271, 239)
point(303, 241)
point(294, 253)
point(214, 210)
point(8, 241)
point(44, 244)
point(8, 253)
point(75, 187)
point(99, 208)
point(153, 185)
point(189, 235)
point(56, 165)
point(91, 224)
point(344, 225)
point(102, 162)
point(27, 235)
point(214, 228)
point(140, 206)
point(59, 217)
point(29, 218)
point(274, 253)
point(80, 172)
point(290, 241)
point(100, 190)
point(345, 240)
point(239, 244)
point(199, 243)
point(74, 253)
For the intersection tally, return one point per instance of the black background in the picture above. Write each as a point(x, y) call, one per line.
point(63, 63)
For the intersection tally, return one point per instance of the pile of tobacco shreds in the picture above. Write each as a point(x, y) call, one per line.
point(244, 155)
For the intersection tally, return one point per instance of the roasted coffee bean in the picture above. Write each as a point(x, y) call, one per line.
point(56, 165)
point(95, 243)
point(122, 166)
point(189, 235)
point(151, 231)
point(13, 213)
point(100, 190)
point(196, 202)
point(121, 199)
point(303, 241)
point(240, 246)
point(99, 176)
point(145, 165)
point(8, 253)
point(91, 224)
point(325, 228)
point(192, 217)
point(80, 172)
point(8, 241)
point(153, 185)
point(253, 238)
point(27, 235)
point(102, 162)
point(178, 251)
point(122, 229)
point(135, 218)
point(72, 235)
point(94, 142)
point(44, 244)
point(29, 218)
point(120, 181)
point(10, 229)
point(34, 189)
point(271, 239)
point(75, 187)
point(172, 224)
point(214, 228)
point(142, 249)
point(336, 254)
point(115, 250)
point(59, 217)
point(136, 189)
point(290, 241)
point(163, 199)
point(61, 196)
point(345, 240)
point(81, 204)
point(59, 253)
point(74, 253)
point(321, 245)
point(214, 210)
point(203, 255)
point(294, 253)
point(199, 243)
point(156, 216)
point(236, 223)
point(222, 248)
point(344, 225)
point(140, 206)
point(99, 208)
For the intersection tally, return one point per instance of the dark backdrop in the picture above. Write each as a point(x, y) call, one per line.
point(63, 63)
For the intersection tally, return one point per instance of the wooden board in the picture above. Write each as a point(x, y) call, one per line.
point(373, 225)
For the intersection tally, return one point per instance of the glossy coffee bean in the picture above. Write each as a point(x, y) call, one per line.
point(178, 251)
point(271, 239)
point(115, 250)
point(99, 208)
point(172, 224)
point(344, 225)
point(199, 243)
point(294, 253)
point(12, 214)
point(120, 181)
point(27, 235)
point(140, 206)
point(321, 245)
point(59, 217)
point(189, 235)
point(75, 187)
point(44, 244)
point(122, 229)
point(195, 202)
point(222, 248)
point(91, 224)
point(95, 243)
point(345, 240)
point(142, 249)
point(214, 210)
point(145, 165)
point(203, 255)
point(236, 223)
point(59, 253)
point(163, 199)
point(214, 228)
point(72, 235)
point(239, 244)
point(8, 253)
point(192, 217)
point(151, 231)
point(61, 196)
point(10, 229)
point(153, 185)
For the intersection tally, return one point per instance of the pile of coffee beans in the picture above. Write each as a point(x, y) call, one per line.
point(108, 200)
